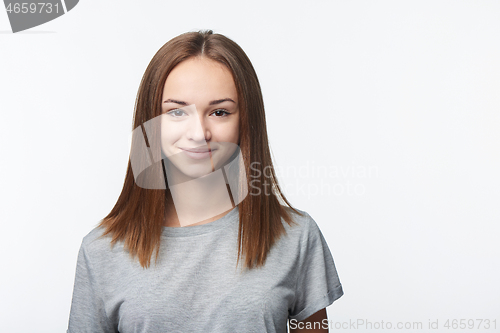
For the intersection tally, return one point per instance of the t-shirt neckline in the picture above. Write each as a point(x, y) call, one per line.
point(202, 228)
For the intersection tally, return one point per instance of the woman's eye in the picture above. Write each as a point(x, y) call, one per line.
point(220, 113)
point(176, 113)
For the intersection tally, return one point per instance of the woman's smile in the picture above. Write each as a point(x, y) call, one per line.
point(197, 153)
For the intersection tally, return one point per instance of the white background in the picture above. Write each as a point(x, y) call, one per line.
point(408, 90)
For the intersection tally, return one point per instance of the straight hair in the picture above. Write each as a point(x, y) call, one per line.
point(138, 217)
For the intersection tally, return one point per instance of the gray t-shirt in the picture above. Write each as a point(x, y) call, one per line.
point(195, 286)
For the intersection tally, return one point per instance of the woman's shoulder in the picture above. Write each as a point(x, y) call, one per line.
point(96, 242)
point(302, 236)
point(302, 223)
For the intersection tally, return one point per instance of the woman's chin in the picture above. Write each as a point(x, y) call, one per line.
point(191, 173)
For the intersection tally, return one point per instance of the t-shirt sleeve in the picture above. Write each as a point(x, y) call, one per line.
point(87, 307)
point(318, 284)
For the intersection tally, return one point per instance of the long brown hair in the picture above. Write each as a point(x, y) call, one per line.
point(138, 216)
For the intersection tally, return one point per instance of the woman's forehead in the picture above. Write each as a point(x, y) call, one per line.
point(202, 79)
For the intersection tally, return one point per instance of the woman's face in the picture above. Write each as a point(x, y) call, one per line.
point(200, 116)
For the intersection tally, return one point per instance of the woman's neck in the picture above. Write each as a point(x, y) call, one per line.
point(197, 201)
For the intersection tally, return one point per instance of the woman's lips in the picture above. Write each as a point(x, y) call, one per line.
point(200, 154)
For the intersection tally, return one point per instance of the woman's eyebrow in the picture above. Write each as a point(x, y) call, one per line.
point(174, 101)
point(217, 101)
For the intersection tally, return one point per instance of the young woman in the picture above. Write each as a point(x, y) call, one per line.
point(231, 254)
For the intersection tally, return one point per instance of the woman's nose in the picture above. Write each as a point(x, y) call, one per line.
point(198, 130)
